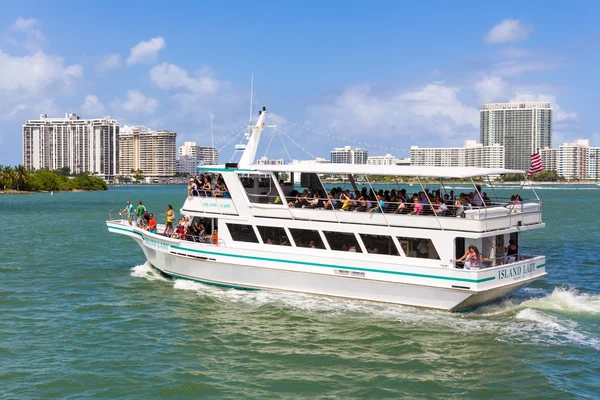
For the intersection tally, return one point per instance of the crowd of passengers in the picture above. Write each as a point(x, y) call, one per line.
point(395, 201)
point(183, 229)
point(202, 185)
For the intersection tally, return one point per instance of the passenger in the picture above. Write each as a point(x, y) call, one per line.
point(347, 201)
point(191, 188)
point(477, 198)
point(139, 211)
point(471, 258)
point(146, 218)
point(214, 238)
point(152, 224)
point(401, 209)
point(128, 210)
point(311, 244)
point(361, 204)
point(352, 249)
point(418, 207)
point(170, 218)
point(512, 251)
point(379, 206)
point(207, 186)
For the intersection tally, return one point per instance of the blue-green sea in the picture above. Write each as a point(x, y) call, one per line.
point(83, 317)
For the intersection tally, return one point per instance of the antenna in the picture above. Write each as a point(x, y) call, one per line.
point(251, 91)
point(212, 138)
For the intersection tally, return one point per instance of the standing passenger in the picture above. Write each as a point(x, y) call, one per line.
point(170, 218)
point(139, 211)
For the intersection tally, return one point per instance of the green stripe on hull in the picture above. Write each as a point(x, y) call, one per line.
point(541, 266)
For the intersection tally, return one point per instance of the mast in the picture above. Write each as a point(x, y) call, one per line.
point(252, 146)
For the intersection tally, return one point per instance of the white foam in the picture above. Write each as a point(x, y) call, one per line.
point(566, 299)
point(147, 271)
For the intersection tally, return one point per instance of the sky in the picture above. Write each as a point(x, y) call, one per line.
point(379, 75)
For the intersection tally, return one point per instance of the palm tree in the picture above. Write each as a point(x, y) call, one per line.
point(21, 176)
point(8, 176)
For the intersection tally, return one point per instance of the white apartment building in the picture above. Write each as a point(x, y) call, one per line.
point(573, 160)
point(348, 155)
point(522, 128)
point(152, 152)
point(472, 154)
point(594, 163)
point(82, 145)
point(191, 156)
point(267, 161)
point(388, 159)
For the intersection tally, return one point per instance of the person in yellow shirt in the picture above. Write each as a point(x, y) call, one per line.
point(170, 218)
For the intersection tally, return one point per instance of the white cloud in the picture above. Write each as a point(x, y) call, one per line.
point(558, 114)
point(508, 31)
point(92, 107)
point(146, 52)
point(28, 26)
point(491, 89)
point(171, 77)
point(136, 103)
point(36, 72)
point(432, 115)
point(110, 61)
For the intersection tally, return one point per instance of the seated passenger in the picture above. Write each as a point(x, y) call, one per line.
point(418, 207)
point(347, 201)
point(512, 251)
point(379, 206)
point(471, 258)
point(152, 224)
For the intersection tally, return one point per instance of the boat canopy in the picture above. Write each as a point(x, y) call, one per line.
point(392, 170)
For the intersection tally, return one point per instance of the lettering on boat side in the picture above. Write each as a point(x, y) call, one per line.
point(213, 204)
point(156, 243)
point(344, 272)
point(516, 272)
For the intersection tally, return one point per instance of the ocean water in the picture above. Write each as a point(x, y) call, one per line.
point(82, 316)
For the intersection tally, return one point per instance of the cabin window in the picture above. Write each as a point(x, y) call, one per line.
point(379, 244)
point(260, 188)
point(307, 238)
point(242, 233)
point(418, 248)
point(273, 235)
point(342, 241)
point(201, 226)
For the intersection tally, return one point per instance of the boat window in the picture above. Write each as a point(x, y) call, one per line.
point(242, 233)
point(260, 188)
point(379, 244)
point(307, 238)
point(273, 235)
point(418, 248)
point(342, 241)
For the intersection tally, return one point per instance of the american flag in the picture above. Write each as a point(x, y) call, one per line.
point(536, 164)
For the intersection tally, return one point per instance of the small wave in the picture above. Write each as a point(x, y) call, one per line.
point(566, 299)
point(147, 271)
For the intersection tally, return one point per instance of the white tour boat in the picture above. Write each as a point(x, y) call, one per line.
point(255, 236)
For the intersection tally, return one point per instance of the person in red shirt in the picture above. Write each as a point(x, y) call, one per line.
point(152, 224)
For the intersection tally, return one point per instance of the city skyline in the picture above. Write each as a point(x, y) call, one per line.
point(364, 85)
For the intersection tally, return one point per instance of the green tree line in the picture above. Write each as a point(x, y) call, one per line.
point(20, 178)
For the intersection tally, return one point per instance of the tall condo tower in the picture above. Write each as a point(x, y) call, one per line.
point(82, 145)
point(522, 128)
point(152, 152)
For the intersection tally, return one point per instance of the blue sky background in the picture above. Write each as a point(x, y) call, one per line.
point(389, 74)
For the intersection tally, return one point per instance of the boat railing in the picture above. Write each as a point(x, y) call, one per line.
point(408, 208)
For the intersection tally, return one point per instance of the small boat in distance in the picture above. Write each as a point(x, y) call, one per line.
point(256, 228)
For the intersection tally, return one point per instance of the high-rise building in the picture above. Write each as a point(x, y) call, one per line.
point(472, 154)
point(348, 155)
point(152, 152)
point(191, 156)
point(522, 128)
point(572, 160)
point(82, 145)
point(388, 159)
point(594, 163)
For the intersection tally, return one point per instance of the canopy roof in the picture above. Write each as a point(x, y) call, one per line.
point(392, 170)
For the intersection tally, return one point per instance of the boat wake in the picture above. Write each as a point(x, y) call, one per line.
point(147, 271)
point(532, 315)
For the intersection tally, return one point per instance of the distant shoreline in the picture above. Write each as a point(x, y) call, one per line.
point(12, 191)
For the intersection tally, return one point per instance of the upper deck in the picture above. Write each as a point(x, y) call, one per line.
point(269, 192)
